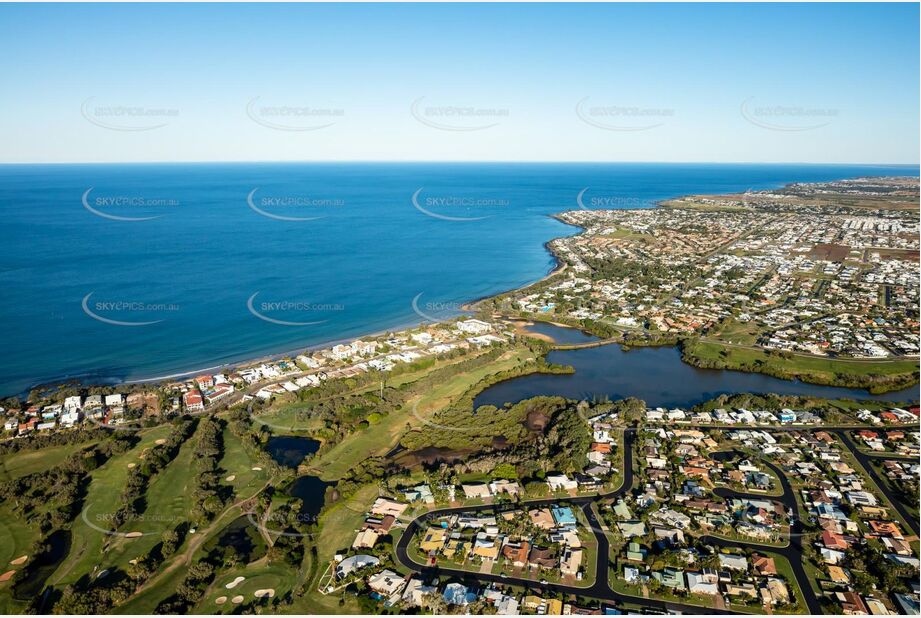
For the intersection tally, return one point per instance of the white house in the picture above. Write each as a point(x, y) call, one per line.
point(561, 481)
point(423, 338)
point(115, 401)
point(71, 418)
point(74, 402)
point(474, 327)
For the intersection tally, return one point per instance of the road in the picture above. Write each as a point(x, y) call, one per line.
point(866, 462)
point(600, 589)
point(792, 552)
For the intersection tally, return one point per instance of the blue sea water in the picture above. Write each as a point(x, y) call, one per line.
point(127, 272)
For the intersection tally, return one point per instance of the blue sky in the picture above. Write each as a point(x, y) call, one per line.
point(577, 82)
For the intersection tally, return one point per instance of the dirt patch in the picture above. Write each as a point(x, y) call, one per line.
point(430, 455)
point(536, 421)
point(830, 252)
point(500, 443)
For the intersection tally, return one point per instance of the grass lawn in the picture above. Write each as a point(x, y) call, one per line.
point(89, 546)
point(910, 505)
point(786, 571)
point(16, 538)
point(339, 522)
point(745, 333)
point(380, 438)
point(168, 502)
point(260, 575)
point(237, 463)
point(808, 368)
point(16, 465)
point(286, 417)
point(162, 584)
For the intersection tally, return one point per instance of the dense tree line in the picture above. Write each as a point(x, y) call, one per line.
point(36, 441)
point(209, 495)
point(155, 459)
point(775, 364)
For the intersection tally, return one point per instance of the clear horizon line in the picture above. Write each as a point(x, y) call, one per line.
point(456, 161)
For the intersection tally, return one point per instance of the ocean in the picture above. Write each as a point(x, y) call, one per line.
point(128, 272)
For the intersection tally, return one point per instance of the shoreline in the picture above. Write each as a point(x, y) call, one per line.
point(469, 306)
point(466, 307)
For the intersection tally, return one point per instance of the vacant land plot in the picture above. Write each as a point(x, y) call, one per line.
point(380, 438)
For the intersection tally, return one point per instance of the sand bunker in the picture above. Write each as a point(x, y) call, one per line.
point(7, 576)
point(20, 560)
point(265, 592)
point(134, 535)
point(131, 465)
point(237, 599)
point(220, 600)
point(233, 584)
point(160, 441)
point(257, 468)
point(231, 478)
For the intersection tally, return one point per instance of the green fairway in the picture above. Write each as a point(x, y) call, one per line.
point(16, 465)
point(16, 538)
point(89, 545)
point(238, 466)
point(168, 503)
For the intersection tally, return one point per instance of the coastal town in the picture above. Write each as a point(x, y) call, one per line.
point(263, 380)
point(363, 477)
point(824, 269)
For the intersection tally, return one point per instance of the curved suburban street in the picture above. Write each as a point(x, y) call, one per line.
point(600, 589)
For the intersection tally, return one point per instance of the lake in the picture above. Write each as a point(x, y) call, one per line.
point(657, 376)
point(559, 334)
point(312, 492)
point(290, 451)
